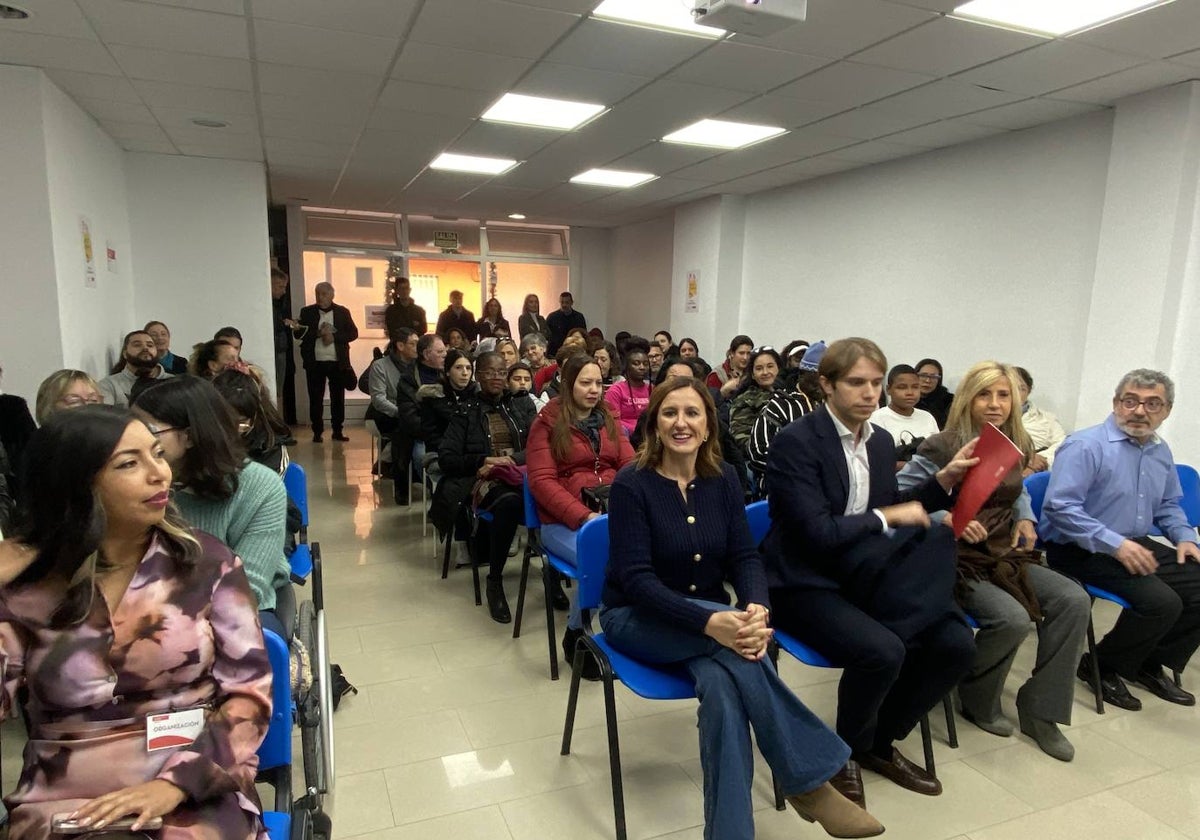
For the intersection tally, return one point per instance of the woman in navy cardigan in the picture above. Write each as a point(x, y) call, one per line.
point(678, 533)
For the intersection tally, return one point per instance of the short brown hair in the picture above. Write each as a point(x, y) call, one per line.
point(708, 459)
point(844, 354)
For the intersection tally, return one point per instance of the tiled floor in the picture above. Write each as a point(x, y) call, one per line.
point(455, 732)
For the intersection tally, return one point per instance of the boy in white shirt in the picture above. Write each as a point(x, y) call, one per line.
point(901, 417)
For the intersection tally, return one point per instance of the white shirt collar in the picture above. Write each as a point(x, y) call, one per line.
point(844, 431)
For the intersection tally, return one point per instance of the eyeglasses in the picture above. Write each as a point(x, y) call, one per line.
point(1153, 405)
point(492, 374)
point(929, 377)
point(75, 402)
point(156, 432)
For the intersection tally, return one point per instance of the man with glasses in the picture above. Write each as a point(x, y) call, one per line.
point(1110, 485)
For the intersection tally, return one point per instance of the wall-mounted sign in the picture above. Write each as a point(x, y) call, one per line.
point(692, 304)
point(447, 240)
point(111, 253)
point(373, 316)
point(89, 253)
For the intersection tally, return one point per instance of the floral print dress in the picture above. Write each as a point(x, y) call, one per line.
point(182, 636)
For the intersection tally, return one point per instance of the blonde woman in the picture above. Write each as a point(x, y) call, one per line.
point(1001, 581)
point(65, 389)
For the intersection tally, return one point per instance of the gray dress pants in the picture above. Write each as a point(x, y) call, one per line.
point(1004, 624)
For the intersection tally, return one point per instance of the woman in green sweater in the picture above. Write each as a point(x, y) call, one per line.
point(218, 490)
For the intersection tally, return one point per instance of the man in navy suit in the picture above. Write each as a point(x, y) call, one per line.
point(857, 572)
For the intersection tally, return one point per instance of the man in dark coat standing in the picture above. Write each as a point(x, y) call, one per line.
point(404, 311)
point(455, 317)
point(325, 349)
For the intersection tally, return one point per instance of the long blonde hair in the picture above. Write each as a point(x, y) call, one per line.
point(983, 375)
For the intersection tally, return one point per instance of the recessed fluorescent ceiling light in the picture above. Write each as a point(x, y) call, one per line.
point(517, 216)
point(1052, 17)
point(542, 112)
point(472, 163)
point(672, 15)
point(612, 178)
point(723, 134)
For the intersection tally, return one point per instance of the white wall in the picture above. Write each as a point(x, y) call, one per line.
point(30, 336)
point(985, 250)
point(590, 276)
point(640, 289)
point(85, 180)
point(199, 232)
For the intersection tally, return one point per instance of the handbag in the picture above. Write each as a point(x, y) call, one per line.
point(510, 474)
point(906, 449)
point(348, 378)
point(596, 498)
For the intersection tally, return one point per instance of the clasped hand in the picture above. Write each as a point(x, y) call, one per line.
point(745, 632)
point(493, 461)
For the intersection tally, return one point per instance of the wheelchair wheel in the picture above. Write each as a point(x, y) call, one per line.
point(301, 825)
point(326, 699)
point(308, 709)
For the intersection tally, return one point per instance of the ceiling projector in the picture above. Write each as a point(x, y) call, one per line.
point(758, 18)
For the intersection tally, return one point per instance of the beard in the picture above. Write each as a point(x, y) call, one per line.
point(141, 364)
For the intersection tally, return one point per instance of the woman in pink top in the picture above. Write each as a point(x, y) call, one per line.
point(630, 398)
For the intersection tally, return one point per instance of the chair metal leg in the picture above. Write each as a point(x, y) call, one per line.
point(614, 746)
point(1091, 643)
point(951, 725)
point(547, 574)
point(573, 699)
point(927, 745)
point(521, 592)
point(446, 553)
point(475, 579)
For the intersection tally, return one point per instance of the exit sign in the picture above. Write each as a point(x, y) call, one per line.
point(446, 240)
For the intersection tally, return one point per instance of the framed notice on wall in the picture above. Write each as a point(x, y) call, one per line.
point(692, 303)
point(89, 253)
point(373, 317)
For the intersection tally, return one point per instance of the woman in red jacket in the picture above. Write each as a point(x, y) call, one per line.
point(575, 443)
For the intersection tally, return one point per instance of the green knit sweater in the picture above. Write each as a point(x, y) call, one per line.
point(253, 523)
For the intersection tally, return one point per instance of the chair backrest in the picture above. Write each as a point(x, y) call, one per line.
point(591, 558)
point(1036, 485)
point(1190, 480)
point(531, 514)
point(758, 515)
point(296, 483)
point(276, 748)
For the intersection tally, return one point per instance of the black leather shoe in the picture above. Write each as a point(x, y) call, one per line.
point(340, 436)
point(317, 438)
point(848, 782)
point(901, 771)
point(1112, 687)
point(558, 598)
point(497, 603)
point(591, 668)
point(1160, 685)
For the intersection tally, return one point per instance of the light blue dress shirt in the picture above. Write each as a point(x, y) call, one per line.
point(1106, 488)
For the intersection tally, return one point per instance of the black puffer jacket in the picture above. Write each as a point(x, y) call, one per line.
point(437, 404)
point(468, 441)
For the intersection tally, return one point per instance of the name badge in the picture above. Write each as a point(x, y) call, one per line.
point(175, 729)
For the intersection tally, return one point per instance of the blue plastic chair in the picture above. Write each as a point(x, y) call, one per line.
point(305, 561)
point(652, 682)
point(551, 563)
point(275, 753)
point(758, 515)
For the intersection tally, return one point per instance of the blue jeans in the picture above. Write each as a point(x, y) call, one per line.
point(559, 540)
point(735, 696)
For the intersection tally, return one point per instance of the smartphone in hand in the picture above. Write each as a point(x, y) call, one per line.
point(62, 824)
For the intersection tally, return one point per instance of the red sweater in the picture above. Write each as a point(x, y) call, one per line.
point(556, 485)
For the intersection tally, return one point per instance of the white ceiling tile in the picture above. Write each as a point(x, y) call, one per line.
point(787, 174)
point(557, 163)
point(221, 151)
point(568, 195)
point(604, 45)
point(667, 106)
point(94, 86)
point(441, 65)
point(34, 50)
point(491, 26)
point(401, 95)
point(1188, 59)
point(1108, 89)
point(314, 127)
point(497, 194)
point(868, 122)
point(506, 141)
point(664, 157)
point(338, 111)
point(366, 194)
point(744, 67)
point(133, 131)
point(849, 83)
point(307, 46)
point(225, 7)
point(423, 130)
point(930, 5)
point(168, 28)
point(565, 81)
point(444, 186)
point(877, 151)
point(176, 120)
point(286, 189)
point(51, 17)
point(946, 46)
point(1155, 33)
point(944, 133)
point(162, 147)
point(304, 147)
point(421, 135)
point(169, 94)
point(1052, 66)
point(183, 68)
point(578, 7)
point(781, 110)
point(946, 98)
point(107, 109)
point(1029, 113)
point(299, 82)
point(772, 153)
point(837, 28)
point(373, 17)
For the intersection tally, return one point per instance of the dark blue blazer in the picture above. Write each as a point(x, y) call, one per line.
point(812, 543)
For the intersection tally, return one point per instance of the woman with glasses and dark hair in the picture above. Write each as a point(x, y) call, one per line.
point(112, 612)
point(935, 397)
point(218, 490)
point(480, 453)
point(679, 535)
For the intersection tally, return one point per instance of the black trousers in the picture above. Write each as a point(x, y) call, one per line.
point(1162, 627)
point(887, 685)
point(402, 441)
point(317, 374)
point(505, 506)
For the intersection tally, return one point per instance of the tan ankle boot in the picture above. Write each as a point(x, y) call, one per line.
point(837, 815)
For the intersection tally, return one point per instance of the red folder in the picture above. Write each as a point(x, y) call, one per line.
point(997, 456)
